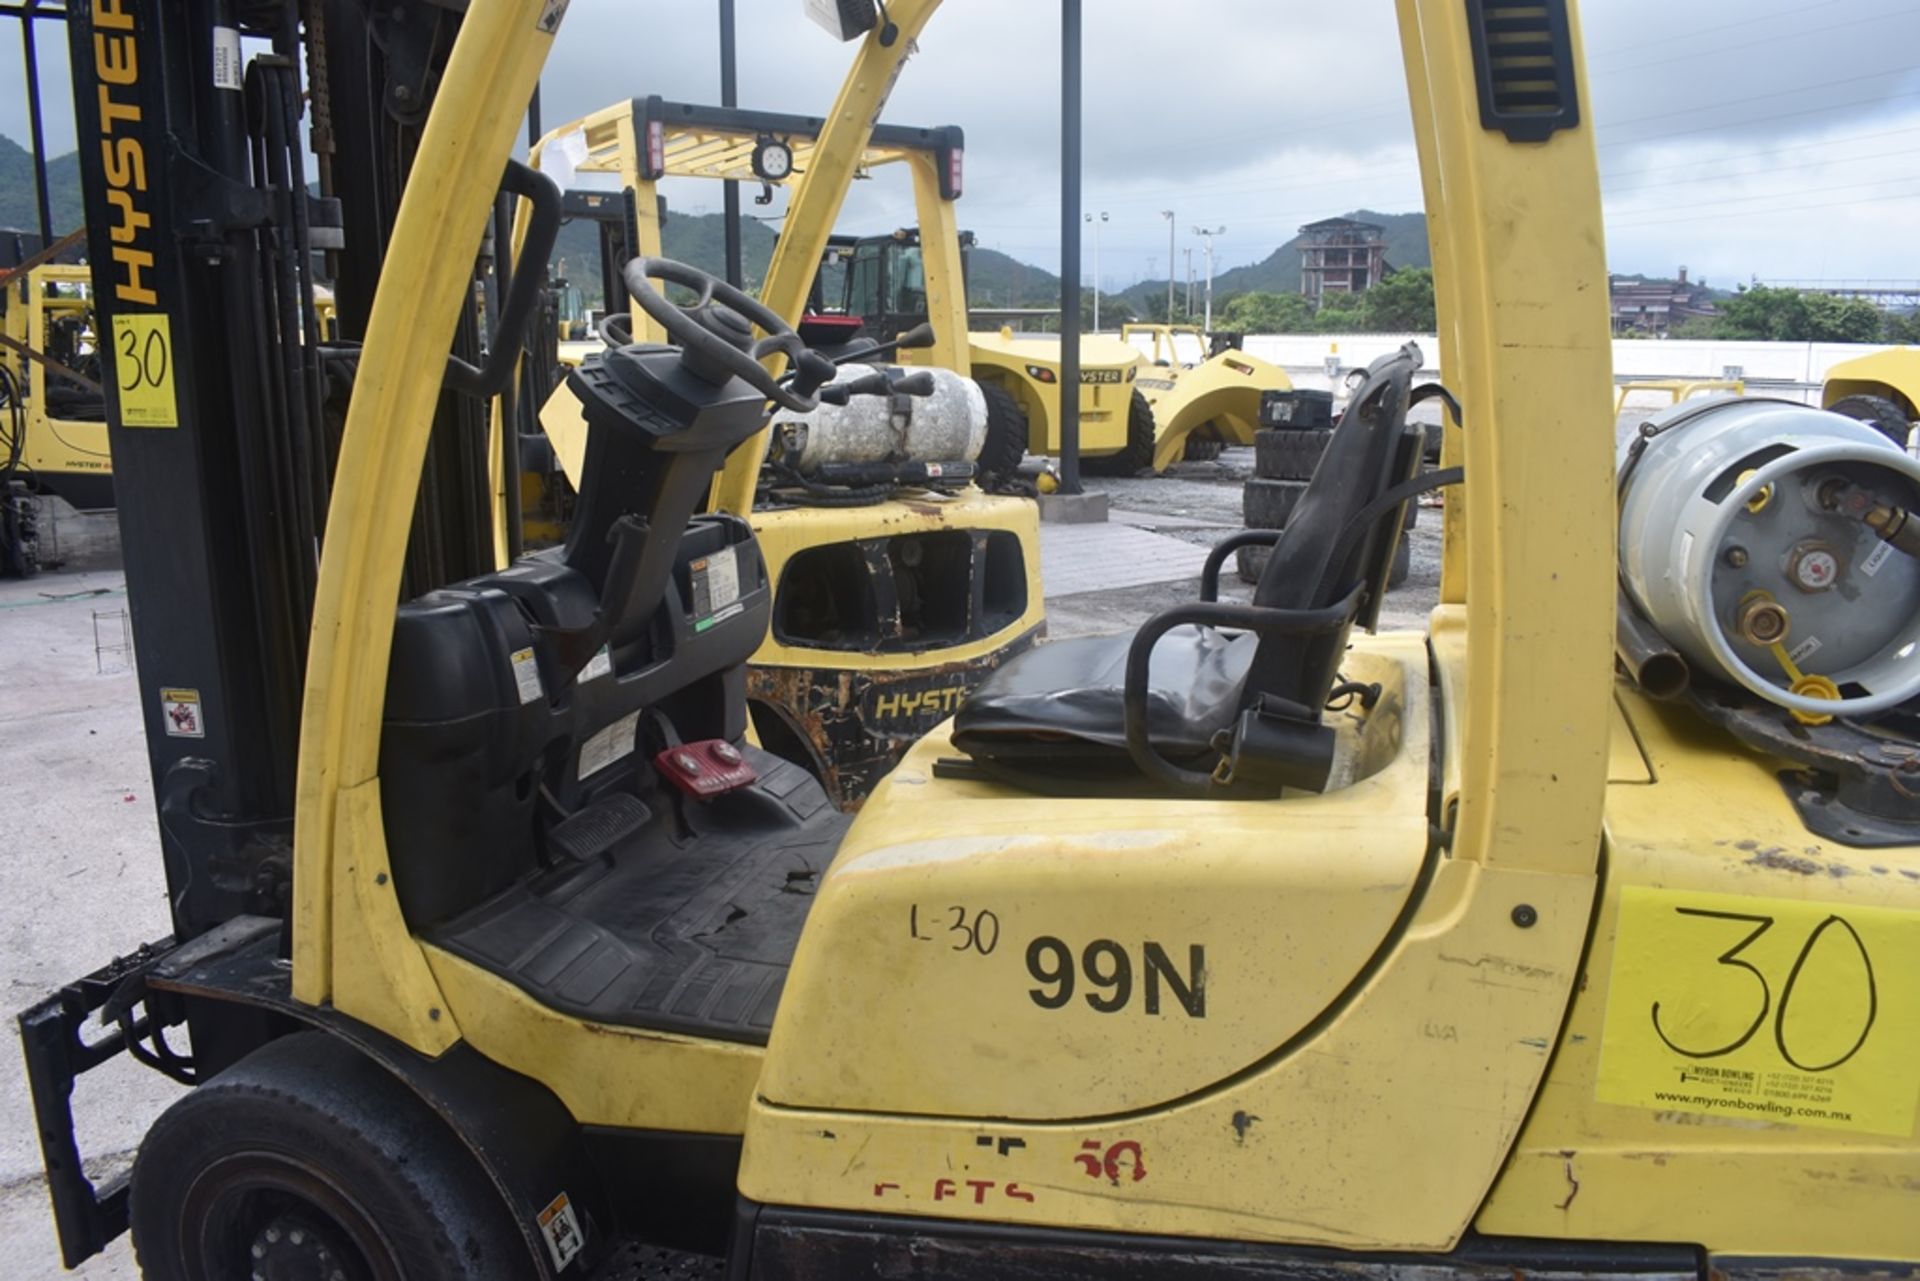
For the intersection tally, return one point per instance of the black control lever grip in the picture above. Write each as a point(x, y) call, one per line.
point(918, 384)
point(873, 384)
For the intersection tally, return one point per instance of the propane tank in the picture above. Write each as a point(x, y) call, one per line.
point(948, 426)
point(1768, 542)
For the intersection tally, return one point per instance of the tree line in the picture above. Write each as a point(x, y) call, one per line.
point(1768, 313)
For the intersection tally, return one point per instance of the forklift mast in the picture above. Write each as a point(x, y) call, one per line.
point(225, 404)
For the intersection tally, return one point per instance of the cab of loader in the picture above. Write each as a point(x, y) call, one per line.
point(1250, 942)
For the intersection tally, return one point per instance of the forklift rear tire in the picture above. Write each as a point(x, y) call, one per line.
point(1876, 411)
point(306, 1158)
point(1006, 443)
point(1287, 453)
point(1269, 504)
point(1138, 455)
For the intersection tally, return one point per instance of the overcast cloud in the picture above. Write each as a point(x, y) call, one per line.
point(1740, 137)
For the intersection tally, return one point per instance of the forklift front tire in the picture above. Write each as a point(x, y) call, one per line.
point(1006, 444)
point(306, 1158)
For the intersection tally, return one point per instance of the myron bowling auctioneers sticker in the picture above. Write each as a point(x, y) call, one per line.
point(1770, 1009)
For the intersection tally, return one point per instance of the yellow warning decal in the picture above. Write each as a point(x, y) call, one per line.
point(143, 367)
point(1768, 1009)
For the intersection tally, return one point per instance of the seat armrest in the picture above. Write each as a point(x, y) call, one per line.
point(1259, 620)
point(1210, 572)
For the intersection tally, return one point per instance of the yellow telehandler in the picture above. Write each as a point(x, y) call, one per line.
point(1252, 943)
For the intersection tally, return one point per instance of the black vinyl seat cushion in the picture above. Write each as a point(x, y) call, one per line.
point(1060, 707)
point(1066, 697)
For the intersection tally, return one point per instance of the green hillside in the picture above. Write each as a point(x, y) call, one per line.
point(17, 208)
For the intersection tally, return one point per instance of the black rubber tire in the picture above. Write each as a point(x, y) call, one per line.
point(1876, 411)
point(1269, 504)
point(1138, 455)
point(1006, 443)
point(308, 1133)
point(1203, 449)
point(1402, 564)
point(1282, 453)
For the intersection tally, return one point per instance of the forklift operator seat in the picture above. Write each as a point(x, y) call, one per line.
point(1059, 712)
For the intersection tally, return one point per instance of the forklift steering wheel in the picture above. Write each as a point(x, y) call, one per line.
point(697, 329)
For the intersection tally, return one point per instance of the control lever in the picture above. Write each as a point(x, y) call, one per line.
point(879, 383)
point(921, 335)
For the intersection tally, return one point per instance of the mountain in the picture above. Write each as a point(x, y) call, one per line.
point(18, 210)
point(700, 239)
point(995, 279)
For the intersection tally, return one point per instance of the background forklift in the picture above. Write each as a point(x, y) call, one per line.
point(1245, 944)
point(53, 430)
point(1205, 392)
point(898, 585)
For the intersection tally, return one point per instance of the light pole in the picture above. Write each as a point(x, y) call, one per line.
point(1168, 215)
point(1095, 223)
point(1207, 234)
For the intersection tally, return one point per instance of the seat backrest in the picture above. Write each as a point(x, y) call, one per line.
point(1365, 458)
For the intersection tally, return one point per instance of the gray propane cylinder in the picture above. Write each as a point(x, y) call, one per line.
point(1732, 543)
point(948, 426)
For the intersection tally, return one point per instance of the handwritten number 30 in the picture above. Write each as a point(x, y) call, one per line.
point(144, 362)
point(1731, 957)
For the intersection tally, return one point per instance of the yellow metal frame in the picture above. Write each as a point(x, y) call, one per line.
point(1444, 1082)
point(1522, 672)
point(1675, 390)
point(54, 446)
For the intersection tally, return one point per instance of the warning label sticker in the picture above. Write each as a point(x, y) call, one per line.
point(609, 745)
point(716, 582)
point(561, 1229)
point(526, 676)
point(601, 664)
point(180, 711)
point(1769, 1009)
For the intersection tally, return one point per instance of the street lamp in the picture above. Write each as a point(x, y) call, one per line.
point(1168, 215)
point(1096, 267)
point(1207, 234)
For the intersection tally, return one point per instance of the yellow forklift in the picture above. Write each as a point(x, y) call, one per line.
point(898, 582)
point(1252, 943)
point(1204, 391)
point(53, 430)
point(893, 282)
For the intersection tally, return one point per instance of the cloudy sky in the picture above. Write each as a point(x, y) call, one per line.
point(1743, 138)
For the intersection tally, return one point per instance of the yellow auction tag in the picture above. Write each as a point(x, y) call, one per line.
point(1769, 1009)
point(143, 367)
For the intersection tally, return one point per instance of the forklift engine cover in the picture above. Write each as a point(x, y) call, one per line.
point(948, 426)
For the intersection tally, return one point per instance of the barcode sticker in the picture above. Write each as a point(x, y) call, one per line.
point(227, 73)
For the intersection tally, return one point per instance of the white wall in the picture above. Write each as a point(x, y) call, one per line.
point(1764, 363)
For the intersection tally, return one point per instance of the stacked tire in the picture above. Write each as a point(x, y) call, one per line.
point(1286, 452)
